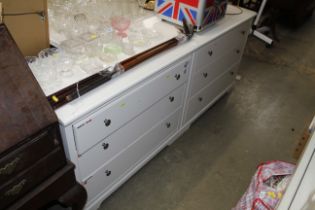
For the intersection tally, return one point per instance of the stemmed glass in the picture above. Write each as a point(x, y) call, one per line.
point(121, 24)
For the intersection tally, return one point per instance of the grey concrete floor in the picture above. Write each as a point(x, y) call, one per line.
point(211, 165)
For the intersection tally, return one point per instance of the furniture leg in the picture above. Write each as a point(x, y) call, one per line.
point(75, 198)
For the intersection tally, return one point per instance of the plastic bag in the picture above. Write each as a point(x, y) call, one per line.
point(267, 186)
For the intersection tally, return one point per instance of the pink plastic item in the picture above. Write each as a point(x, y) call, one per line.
point(265, 190)
point(121, 24)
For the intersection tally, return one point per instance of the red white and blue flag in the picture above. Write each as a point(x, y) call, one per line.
point(179, 9)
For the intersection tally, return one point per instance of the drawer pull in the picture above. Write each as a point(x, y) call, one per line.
point(205, 75)
point(200, 99)
point(168, 125)
point(186, 64)
point(171, 98)
point(105, 146)
point(108, 173)
point(243, 32)
point(107, 122)
point(210, 52)
point(238, 51)
point(177, 76)
point(10, 167)
point(16, 189)
point(232, 73)
point(56, 142)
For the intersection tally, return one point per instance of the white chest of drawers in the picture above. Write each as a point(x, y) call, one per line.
point(111, 132)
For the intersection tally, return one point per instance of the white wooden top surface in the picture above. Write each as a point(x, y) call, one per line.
point(96, 98)
point(302, 185)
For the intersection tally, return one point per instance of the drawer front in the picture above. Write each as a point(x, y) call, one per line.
point(29, 153)
point(234, 39)
point(31, 177)
point(126, 161)
point(96, 127)
point(209, 93)
point(110, 147)
point(211, 71)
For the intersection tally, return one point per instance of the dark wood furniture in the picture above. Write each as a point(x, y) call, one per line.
point(34, 171)
point(295, 12)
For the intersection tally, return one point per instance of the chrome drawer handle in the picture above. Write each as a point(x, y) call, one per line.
point(108, 173)
point(107, 122)
point(210, 52)
point(105, 146)
point(171, 98)
point(177, 76)
point(205, 75)
point(168, 125)
point(200, 99)
point(16, 189)
point(10, 167)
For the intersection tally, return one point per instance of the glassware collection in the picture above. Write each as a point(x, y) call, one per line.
point(90, 35)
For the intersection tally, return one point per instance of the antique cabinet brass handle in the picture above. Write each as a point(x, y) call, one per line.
point(9, 167)
point(16, 189)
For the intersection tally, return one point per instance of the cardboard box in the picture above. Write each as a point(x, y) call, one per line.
point(29, 30)
point(199, 13)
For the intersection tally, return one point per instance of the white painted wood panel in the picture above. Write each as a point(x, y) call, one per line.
point(114, 144)
point(211, 71)
point(299, 193)
point(102, 123)
point(216, 49)
point(119, 167)
point(209, 93)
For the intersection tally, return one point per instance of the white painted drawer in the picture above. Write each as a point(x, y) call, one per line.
point(232, 39)
point(102, 123)
point(207, 95)
point(111, 146)
point(211, 71)
point(117, 169)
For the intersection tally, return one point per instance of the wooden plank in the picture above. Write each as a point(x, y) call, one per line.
point(301, 145)
point(0, 12)
point(304, 140)
point(24, 109)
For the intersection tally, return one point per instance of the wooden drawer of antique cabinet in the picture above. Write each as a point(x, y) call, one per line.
point(210, 72)
point(31, 177)
point(102, 123)
point(118, 168)
point(231, 40)
point(26, 155)
point(128, 134)
point(210, 93)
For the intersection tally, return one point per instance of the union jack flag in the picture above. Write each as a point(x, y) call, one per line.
point(179, 9)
